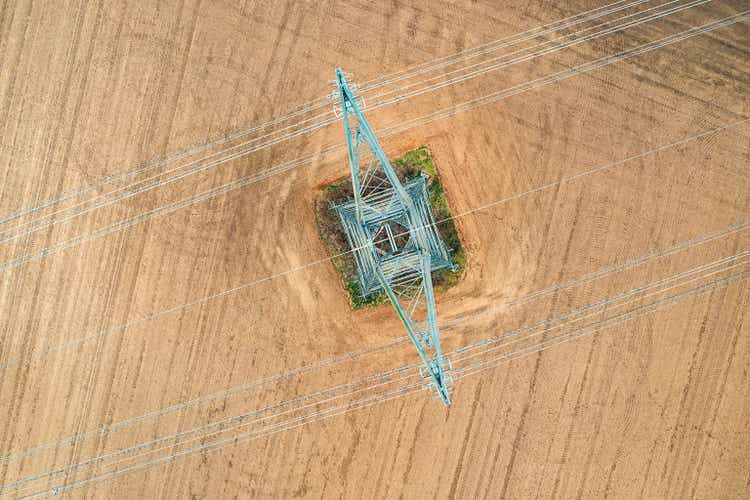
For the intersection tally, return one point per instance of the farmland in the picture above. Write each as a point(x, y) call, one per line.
point(178, 336)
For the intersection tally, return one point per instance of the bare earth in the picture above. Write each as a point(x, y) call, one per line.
point(656, 405)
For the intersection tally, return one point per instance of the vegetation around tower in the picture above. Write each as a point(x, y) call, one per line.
point(409, 165)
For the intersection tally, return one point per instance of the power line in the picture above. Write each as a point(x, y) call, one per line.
point(311, 264)
point(409, 389)
point(51, 250)
point(482, 347)
point(721, 283)
point(605, 271)
point(739, 274)
point(458, 355)
point(128, 191)
point(521, 59)
point(322, 102)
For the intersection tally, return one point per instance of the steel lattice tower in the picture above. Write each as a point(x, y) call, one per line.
point(391, 230)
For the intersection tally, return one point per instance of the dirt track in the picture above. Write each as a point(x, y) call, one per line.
point(656, 406)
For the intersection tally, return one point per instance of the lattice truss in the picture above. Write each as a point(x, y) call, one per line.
point(394, 239)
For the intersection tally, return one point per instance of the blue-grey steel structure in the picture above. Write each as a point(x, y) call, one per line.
point(391, 230)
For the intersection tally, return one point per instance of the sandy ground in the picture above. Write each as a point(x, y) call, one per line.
point(657, 406)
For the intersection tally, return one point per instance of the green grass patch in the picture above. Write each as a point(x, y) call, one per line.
point(409, 165)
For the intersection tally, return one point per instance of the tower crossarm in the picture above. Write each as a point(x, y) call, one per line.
point(395, 244)
point(349, 105)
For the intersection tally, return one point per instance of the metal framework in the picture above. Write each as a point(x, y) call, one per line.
point(391, 230)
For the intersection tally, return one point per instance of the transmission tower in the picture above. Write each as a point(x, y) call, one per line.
point(392, 233)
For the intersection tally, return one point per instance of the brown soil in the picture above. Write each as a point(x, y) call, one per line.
point(653, 407)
